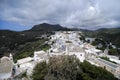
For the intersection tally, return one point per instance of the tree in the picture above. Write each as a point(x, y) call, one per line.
point(96, 73)
point(69, 68)
point(63, 68)
point(40, 71)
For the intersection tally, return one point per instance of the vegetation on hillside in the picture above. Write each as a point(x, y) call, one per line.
point(29, 48)
point(105, 37)
point(108, 35)
point(69, 68)
point(111, 50)
point(98, 42)
point(107, 59)
point(15, 42)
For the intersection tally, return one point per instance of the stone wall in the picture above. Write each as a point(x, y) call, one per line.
point(6, 67)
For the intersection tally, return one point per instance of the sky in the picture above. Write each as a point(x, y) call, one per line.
point(86, 14)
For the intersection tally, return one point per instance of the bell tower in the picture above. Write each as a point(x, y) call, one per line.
point(11, 57)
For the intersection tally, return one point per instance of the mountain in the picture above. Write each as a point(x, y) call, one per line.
point(109, 30)
point(103, 30)
point(49, 27)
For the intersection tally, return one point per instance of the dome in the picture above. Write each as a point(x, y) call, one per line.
point(4, 59)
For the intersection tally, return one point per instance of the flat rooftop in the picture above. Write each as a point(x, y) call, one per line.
point(110, 64)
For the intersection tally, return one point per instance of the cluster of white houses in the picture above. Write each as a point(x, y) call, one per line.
point(62, 43)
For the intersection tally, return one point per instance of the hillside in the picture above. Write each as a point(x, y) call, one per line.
point(103, 36)
point(109, 35)
point(25, 42)
point(109, 30)
point(22, 42)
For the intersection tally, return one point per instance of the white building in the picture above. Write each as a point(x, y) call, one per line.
point(6, 66)
point(40, 56)
point(26, 64)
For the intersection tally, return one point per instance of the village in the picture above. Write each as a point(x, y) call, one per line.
point(62, 43)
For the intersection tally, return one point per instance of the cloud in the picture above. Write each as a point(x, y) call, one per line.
point(90, 14)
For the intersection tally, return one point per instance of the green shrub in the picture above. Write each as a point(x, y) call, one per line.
point(69, 68)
